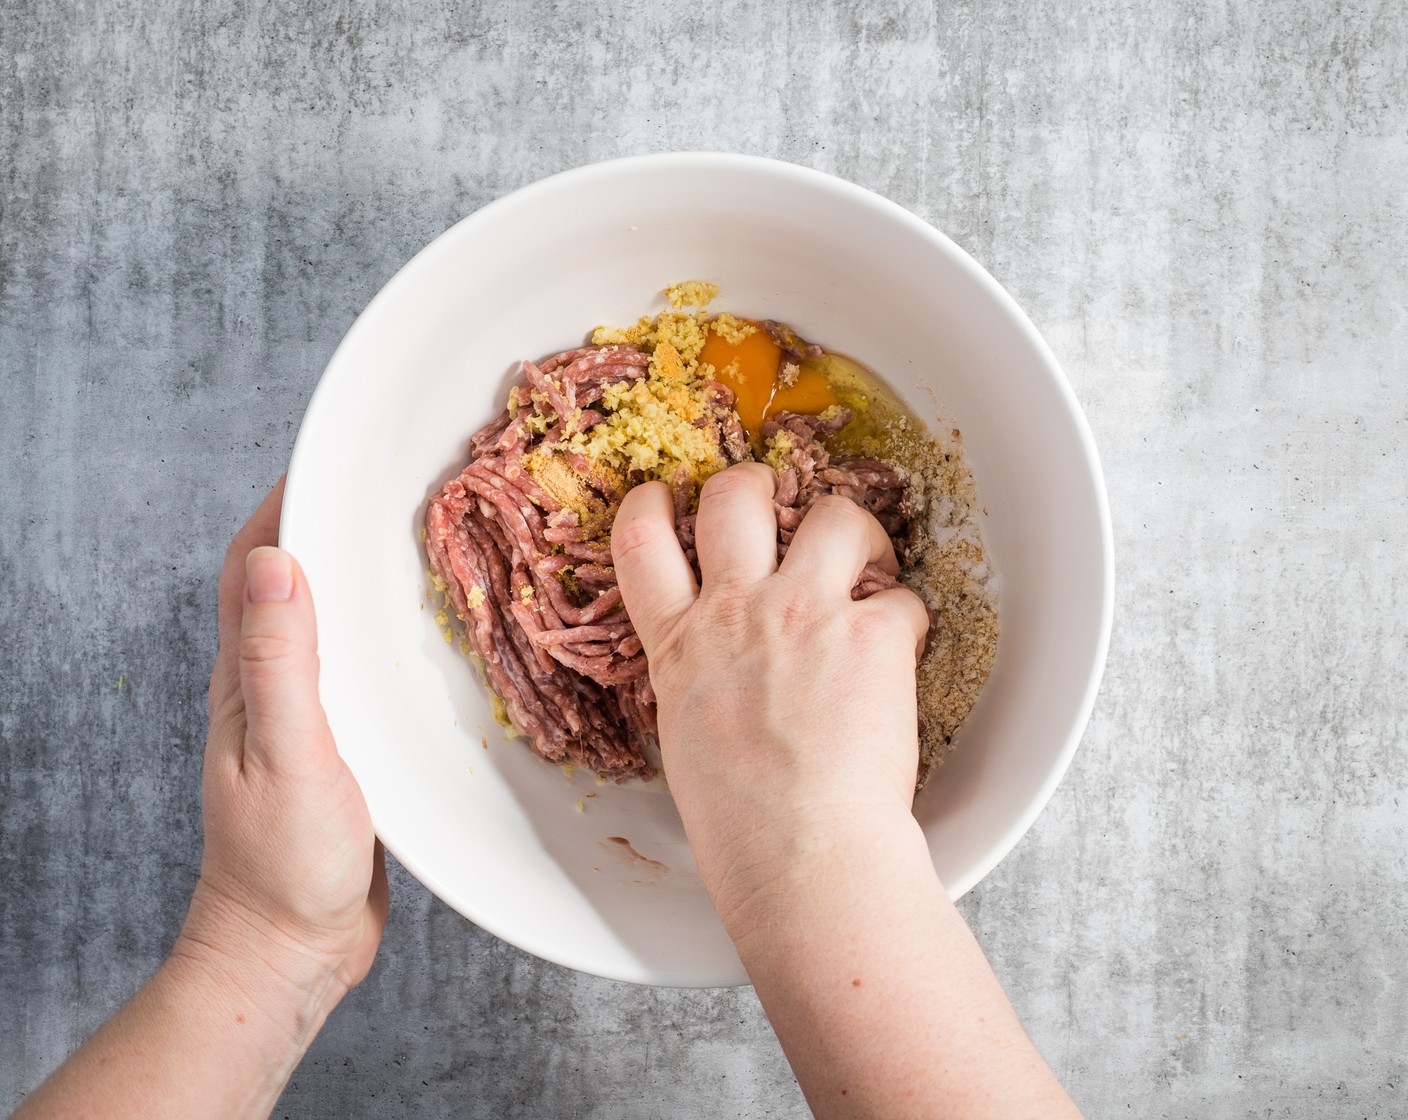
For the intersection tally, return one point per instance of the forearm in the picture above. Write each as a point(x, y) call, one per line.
point(292, 896)
point(883, 1001)
point(203, 1037)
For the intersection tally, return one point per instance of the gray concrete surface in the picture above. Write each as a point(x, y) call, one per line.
point(1202, 206)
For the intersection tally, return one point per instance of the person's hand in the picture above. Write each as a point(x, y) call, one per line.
point(293, 881)
point(781, 701)
point(789, 733)
point(788, 728)
point(291, 899)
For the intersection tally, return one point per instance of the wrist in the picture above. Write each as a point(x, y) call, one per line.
point(802, 862)
point(241, 955)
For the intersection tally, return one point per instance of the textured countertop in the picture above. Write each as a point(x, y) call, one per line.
point(1202, 207)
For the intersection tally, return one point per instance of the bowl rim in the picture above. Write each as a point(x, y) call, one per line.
point(791, 175)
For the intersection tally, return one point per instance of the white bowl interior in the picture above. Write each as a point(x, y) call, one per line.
point(497, 833)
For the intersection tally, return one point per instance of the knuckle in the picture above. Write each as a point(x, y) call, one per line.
point(873, 625)
point(261, 647)
point(736, 613)
point(739, 479)
point(905, 598)
point(842, 512)
point(894, 615)
point(669, 652)
point(790, 608)
point(634, 540)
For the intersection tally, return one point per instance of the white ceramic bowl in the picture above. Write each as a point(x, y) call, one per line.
point(496, 832)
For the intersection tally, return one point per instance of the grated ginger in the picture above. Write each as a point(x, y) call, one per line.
point(640, 334)
point(779, 448)
point(650, 427)
point(730, 328)
point(691, 293)
point(657, 425)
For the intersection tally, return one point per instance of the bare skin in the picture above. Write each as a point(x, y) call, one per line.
point(789, 731)
point(291, 899)
point(788, 727)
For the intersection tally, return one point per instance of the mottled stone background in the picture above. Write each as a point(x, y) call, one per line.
point(1201, 204)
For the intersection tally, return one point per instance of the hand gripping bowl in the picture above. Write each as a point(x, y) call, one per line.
point(605, 883)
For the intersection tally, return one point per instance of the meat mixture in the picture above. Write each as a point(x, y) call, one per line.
point(520, 541)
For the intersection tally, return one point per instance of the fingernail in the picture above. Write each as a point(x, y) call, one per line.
point(268, 575)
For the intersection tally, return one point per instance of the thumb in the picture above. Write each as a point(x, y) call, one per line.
point(279, 661)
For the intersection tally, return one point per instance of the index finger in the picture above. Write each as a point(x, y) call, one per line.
point(262, 528)
point(656, 581)
point(735, 532)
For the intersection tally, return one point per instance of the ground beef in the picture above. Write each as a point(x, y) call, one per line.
point(535, 585)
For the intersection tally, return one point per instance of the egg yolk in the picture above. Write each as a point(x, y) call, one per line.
point(752, 369)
